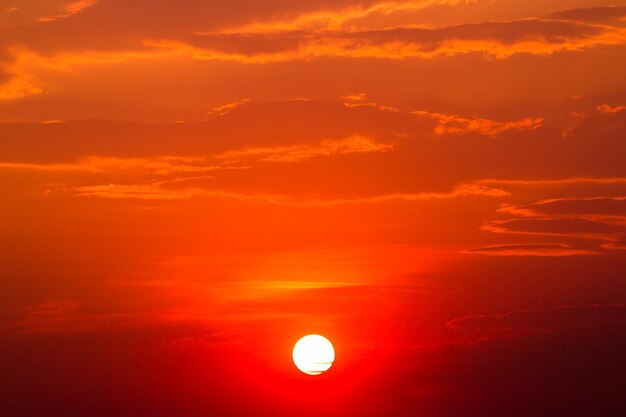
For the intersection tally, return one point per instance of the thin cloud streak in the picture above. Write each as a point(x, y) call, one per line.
point(158, 192)
point(539, 249)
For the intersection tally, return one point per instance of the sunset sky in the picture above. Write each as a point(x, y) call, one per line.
point(188, 187)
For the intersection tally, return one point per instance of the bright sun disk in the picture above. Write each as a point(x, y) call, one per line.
point(313, 354)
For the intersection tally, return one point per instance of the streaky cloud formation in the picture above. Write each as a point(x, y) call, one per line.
point(542, 249)
point(438, 187)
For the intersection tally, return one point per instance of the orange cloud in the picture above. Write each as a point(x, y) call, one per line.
point(228, 107)
point(615, 246)
point(19, 86)
point(69, 9)
point(566, 227)
point(537, 249)
point(595, 207)
point(295, 153)
point(452, 124)
point(598, 218)
point(255, 147)
point(26, 69)
point(338, 19)
point(49, 52)
point(151, 191)
point(77, 6)
point(163, 165)
point(357, 97)
point(605, 108)
point(162, 191)
point(602, 14)
point(495, 39)
point(562, 181)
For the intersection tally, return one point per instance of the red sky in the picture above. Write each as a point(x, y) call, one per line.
point(437, 186)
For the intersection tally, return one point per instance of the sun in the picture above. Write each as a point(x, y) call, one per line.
point(313, 354)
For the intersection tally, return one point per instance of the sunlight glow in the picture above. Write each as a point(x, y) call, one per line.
point(313, 354)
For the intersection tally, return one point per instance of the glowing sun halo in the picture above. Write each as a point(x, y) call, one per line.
point(313, 354)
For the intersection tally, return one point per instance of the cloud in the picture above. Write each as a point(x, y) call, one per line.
point(537, 249)
point(554, 319)
point(69, 9)
point(124, 22)
point(163, 191)
point(352, 145)
point(621, 245)
point(573, 227)
point(558, 181)
point(228, 107)
point(337, 19)
point(609, 120)
point(150, 191)
point(605, 108)
point(495, 39)
point(110, 51)
point(599, 218)
point(354, 98)
point(77, 6)
point(604, 14)
point(55, 46)
point(358, 152)
point(160, 166)
point(595, 207)
point(18, 86)
point(253, 125)
point(454, 124)
point(66, 316)
point(23, 67)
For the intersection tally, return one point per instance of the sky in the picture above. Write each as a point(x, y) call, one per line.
point(189, 187)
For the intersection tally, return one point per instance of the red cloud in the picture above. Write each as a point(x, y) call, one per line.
point(537, 249)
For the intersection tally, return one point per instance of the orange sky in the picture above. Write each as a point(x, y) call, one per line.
point(438, 186)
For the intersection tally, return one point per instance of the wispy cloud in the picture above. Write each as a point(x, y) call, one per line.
point(608, 208)
point(162, 165)
point(556, 181)
point(228, 107)
point(495, 39)
point(537, 249)
point(555, 226)
point(337, 19)
point(19, 86)
point(64, 315)
point(150, 191)
point(453, 124)
point(351, 145)
point(162, 191)
point(550, 319)
point(601, 218)
point(69, 9)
